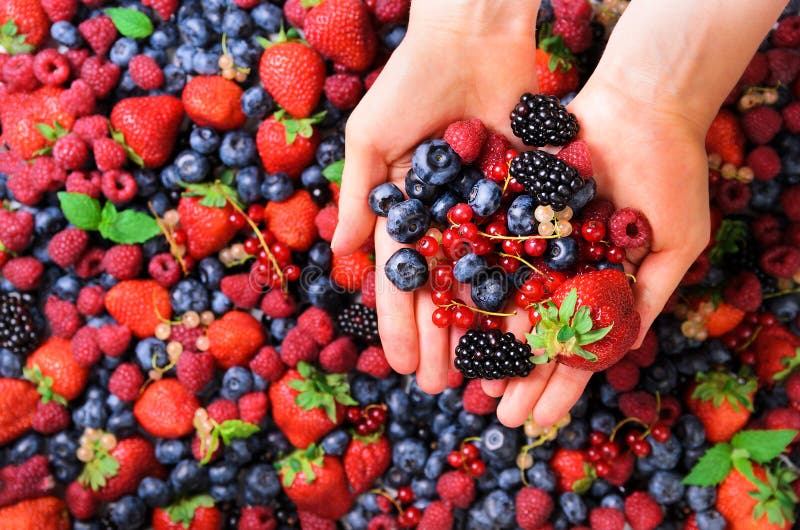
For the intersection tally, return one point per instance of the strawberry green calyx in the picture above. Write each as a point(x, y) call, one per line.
point(319, 390)
point(283, 36)
point(13, 42)
point(100, 466)
point(51, 133)
point(564, 330)
point(182, 512)
point(310, 3)
point(729, 239)
point(44, 385)
point(294, 127)
point(118, 137)
point(722, 386)
point(301, 461)
point(776, 497)
point(215, 194)
point(367, 439)
point(582, 485)
point(560, 56)
point(791, 363)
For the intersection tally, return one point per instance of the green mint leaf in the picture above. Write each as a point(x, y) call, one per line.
point(763, 446)
point(567, 308)
point(334, 172)
point(130, 227)
point(130, 22)
point(712, 468)
point(729, 239)
point(80, 210)
point(231, 429)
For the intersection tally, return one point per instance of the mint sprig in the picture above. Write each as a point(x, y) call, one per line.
point(130, 22)
point(125, 227)
point(334, 171)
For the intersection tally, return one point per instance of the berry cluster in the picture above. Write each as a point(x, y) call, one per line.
point(368, 420)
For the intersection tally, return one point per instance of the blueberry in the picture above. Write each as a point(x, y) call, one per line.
point(279, 327)
point(256, 102)
point(321, 195)
point(449, 401)
point(92, 413)
point(435, 162)
point(238, 149)
point(236, 382)
point(164, 36)
point(785, 308)
point(710, 520)
point(583, 195)
point(766, 195)
point(398, 431)
point(170, 178)
point(248, 184)
point(245, 52)
point(330, 150)
point(489, 291)
point(364, 389)
point(661, 376)
point(268, 17)
point(666, 487)
point(210, 271)
point(220, 304)
point(151, 352)
point(204, 140)
point(261, 484)
point(237, 23)
point(608, 396)
point(205, 63)
point(665, 455)
point(499, 443)
point(277, 187)
point(128, 513)
point(195, 31)
point(500, 508)
point(467, 178)
point(158, 55)
point(188, 477)
point(63, 445)
point(573, 507)
point(121, 423)
point(222, 473)
point(407, 269)
point(24, 448)
point(336, 442)
point(561, 253)
point(509, 479)
point(540, 476)
point(435, 465)
point(407, 221)
point(393, 36)
point(485, 197)
point(397, 401)
point(396, 477)
point(442, 205)
point(613, 500)
point(519, 218)
point(573, 436)
point(237, 452)
point(224, 492)
point(192, 166)
point(478, 519)
point(48, 221)
point(469, 267)
point(189, 295)
point(66, 288)
point(65, 471)
point(416, 188)
point(321, 291)
point(312, 176)
point(383, 197)
point(423, 488)
point(184, 55)
point(66, 34)
point(154, 492)
point(320, 255)
point(409, 455)
point(701, 498)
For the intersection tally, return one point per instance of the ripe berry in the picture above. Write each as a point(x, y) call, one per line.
point(441, 317)
point(598, 438)
point(660, 432)
point(535, 247)
point(460, 213)
point(454, 459)
point(405, 495)
point(470, 452)
point(442, 278)
point(593, 231)
point(476, 468)
point(463, 317)
point(354, 414)
point(427, 246)
point(641, 448)
point(441, 298)
point(603, 469)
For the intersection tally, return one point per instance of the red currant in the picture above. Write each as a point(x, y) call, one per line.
point(441, 298)
point(641, 448)
point(598, 438)
point(481, 246)
point(280, 251)
point(553, 280)
point(411, 516)
point(509, 265)
point(603, 469)
point(632, 437)
point(512, 246)
point(593, 454)
point(442, 317)
point(460, 213)
point(522, 299)
point(593, 231)
point(179, 236)
point(496, 229)
point(468, 231)
point(450, 237)
point(510, 155)
point(515, 186)
point(442, 278)
point(615, 254)
point(499, 172)
point(251, 245)
point(490, 322)
point(610, 450)
point(463, 317)
point(534, 317)
point(256, 213)
point(748, 357)
point(660, 432)
point(362, 429)
point(767, 319)
point(292, 272)
point(371, 425)
point(427, 246)
point(595, 252)
point(454, 459)
point(354, 414)
point(534, 290)
point(377, 414)
point(405, 495)
point(476, 468)
point(535, 247)
point(470, 452)
point(237, 221)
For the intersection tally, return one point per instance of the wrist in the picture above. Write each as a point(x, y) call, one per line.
point(475, 18)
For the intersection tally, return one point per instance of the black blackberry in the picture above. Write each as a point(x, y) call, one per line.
point(546, 178)
point(17, 329)
point(359, 322)
point(542, 120)
point(492, 355)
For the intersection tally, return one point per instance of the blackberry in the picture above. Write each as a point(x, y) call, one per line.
point(546, 178)
point(492, 355)
point(542, 120)
point(18, 332)
point(359, 322)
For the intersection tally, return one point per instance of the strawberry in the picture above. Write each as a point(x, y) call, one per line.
point(723, 319)
point(26, 115)
point(596, 312)
point(26, 17)
point(349, 271)
point(18, 402)
point(776, 358)
point(722, 401)
point(572, 470)
point(60, 10)
point(341, 31)
point(148, 126)
point(44, 513)
point(141, 305)
point(213, 101)
point(292, 221)
point(740, 499)
point(234, 339)
point(287, 145)
point(726, 138)
point(315, 482)
point(293, 73)
point(53, 367)
point(194, 513)
point(208, 228)
point(555, 68)
point(365, 460)
point(166, 409)
point(118, 471)
point(308, 404)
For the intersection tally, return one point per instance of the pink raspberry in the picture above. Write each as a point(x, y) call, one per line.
point(326, 221)
point(629, 228)
point(576, 154)
point(126, 381)
point(373, 361)
point(123, 262)
point(70, 152)
point(344, 90)
point(761, 124)
point(113, 339)
point(338, 357)
point(67, 246)
point(317, 323)
point(24, 273)
point(118, 186)
point(79, 100)
point(63, 316)
point(99, 32)
point(90, 263)
point(765, 162)
point(781, 261)
point(791, 117)
point(145, 72)
point(466, 138)
point(81, 182)
point(267, 364)
point(90, 128)
point(50, 67)
point(108, 154)
point(697, 270)
point(790, 202)
point(298, 346)
point(18, 73)
point(90, 300)
point(277, 304)
point(732, 196)
point(84, 347)
point(623, 376)
point(744, 291)
point(164, 269)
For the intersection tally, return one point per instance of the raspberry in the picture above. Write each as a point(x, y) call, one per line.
point(343, 90)
point(164, 269)
point(368, 289)
point(118, 186)
point(466, 138)
point(577, 34)
point(84, 346)
point(437, 516)
point(383, 521)
point(90, 263)
point(81, 502)
point(457, 488)
point(757, 70)
point(340, 356)
point(792, 236)
point(240, 290)
point(298, 346)
point(607, 519)
point(783, 66)
point(60, 10)
point(22, 187)
point(145, 72)
point(90, 300)
point(27, 480)
point(253, 407)
point(108, 154)
point(99, 32)
point(50, 418)
point(326, 221)
point(454, 379)
point(574, 9)
point(493, 152)
point(318, 324)
point(277, 304)
point(123, 262)
point(787, 34)
point(642, 511)
point(18, 73)
point(599, 210)
point(761, 124)
point(645, 355)
point(790, 202)
point(733, 196)
point(76, 58)
point(63, 317)
point(391, 11)
point(90, 128)
point(783, 418)
point(16, 229)
point(476, 401)
point(639, 404)
point(781, 261)
point(267, 364)
point(100, 74)
point(791, 117)
point(79, 100)
point(70, 152)
point(765, 162)
point(312, 521)
point(166, 8)
point(793, 389)
point(629, 228)
point(223, 410)
point(257, 517)
point(125, 382)
point(373, 361)
point(195, 370)
point(46, 175)
point(50, 67)
point(24, 273)
point(371, 77)
point(80, 182)
point(534, 507)
point(767, 230)
point(623, 376)
point(245, 4)
point(113, 339)
point(67, 246)
point(295, 13)
point(186, 336)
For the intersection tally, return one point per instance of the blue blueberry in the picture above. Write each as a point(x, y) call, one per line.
point(573, 507)
point(189, 295)
point(154, 492)
point(192, 166)
point(561, 253)
point(170, 178)
point(416, 188)
point(122, 51)
point(158, 55)
point(499, 444)
point(256, 102)
point(583, 195)
point(613, 500)
point(92, 413)
point(184, 54)
point(204, 140)
point(701, 498)
point(238, 149)
point(364, 389)
point(268, 17)
point(151, 352)
point(519, 218)
point(320, 289)
point(65, 470)
point(236, 382)
point(279, 327)
point(500, 508)
point(472, 424)
point(442, 205)
point(121, 423)
point(128, 513)
point(469, 267)
point(397, 401)
point(224, 492)
point(407, 269)
point(312, 176)
point(710, 520)
point(220, 304)
point(396, 477)
point(766, 194)
point(188, 477)
point(66, 34)
point(330, 150)
point(410, 455)
point(383, 197)
point(666, 487)
point(435, 162)
point(573, 436)
point(478, 519)
point(164, 36)
point(540, 476)
point(423, 488)
point(407, 221)
point(48, 221)
point(67, 288)
point(261, 484)
point(205, 63)
point(248, 184)
point(237, 452)
point(63, 445)
point(222, 473)
point(661, 376)
point(320, 255)
point(489, 291)
point(336, 442)
point(485, 197)
point(393, 36)
point(237, 23)
point(509, 479)
point(277, 187)
point(449, 401)
point(24, 448)
point(435, 465)
point(785, 308)
point(195, 31)
point(210, 270)
point(467, 178)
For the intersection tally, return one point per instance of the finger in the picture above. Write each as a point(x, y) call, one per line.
point(495, 387)
point(395, 309)
point(563, 390)
point(521, 395)
point(434, 342)
point(518, 324)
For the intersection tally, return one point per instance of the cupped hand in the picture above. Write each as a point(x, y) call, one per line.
point(646, 156)
point(449, 67)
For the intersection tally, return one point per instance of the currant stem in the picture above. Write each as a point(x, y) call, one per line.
point(173, 246)
point(751, 340)
point(781, 293)
point(521, 260)
point(555, 235)
point(481, 311)
point(390, 499)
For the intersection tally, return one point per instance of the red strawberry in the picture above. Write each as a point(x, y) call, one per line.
point(287, 145)
point(341, 31)
point(60, 10)
point(194, 513)
point(366, 459)
point(139, 304)
point(572, 470)
point(117, 472)
point(292, 221)
point(234, 339)
point(776, 358)
point(293, 73)
point(349, 271)
point(45, 513)
point(555, 70)
point(315, 482)
point(739, 499)
point(149, 126)
point(166, 409)
point(726, 138)
point(54, 360)
point(20, 114)
point(18, 402)
point(213, 101)
point(601, 334)
point(724, 318)
point(208, 228)
point(16, 229)
point(722, 402)
point(29, 19)
point(308, 404)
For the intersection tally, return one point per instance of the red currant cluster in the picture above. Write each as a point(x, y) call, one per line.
point(467, 458)
point(273, 259)
point(742, 336)
point(604, 450)
point(368, 420)
point(408, 516)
